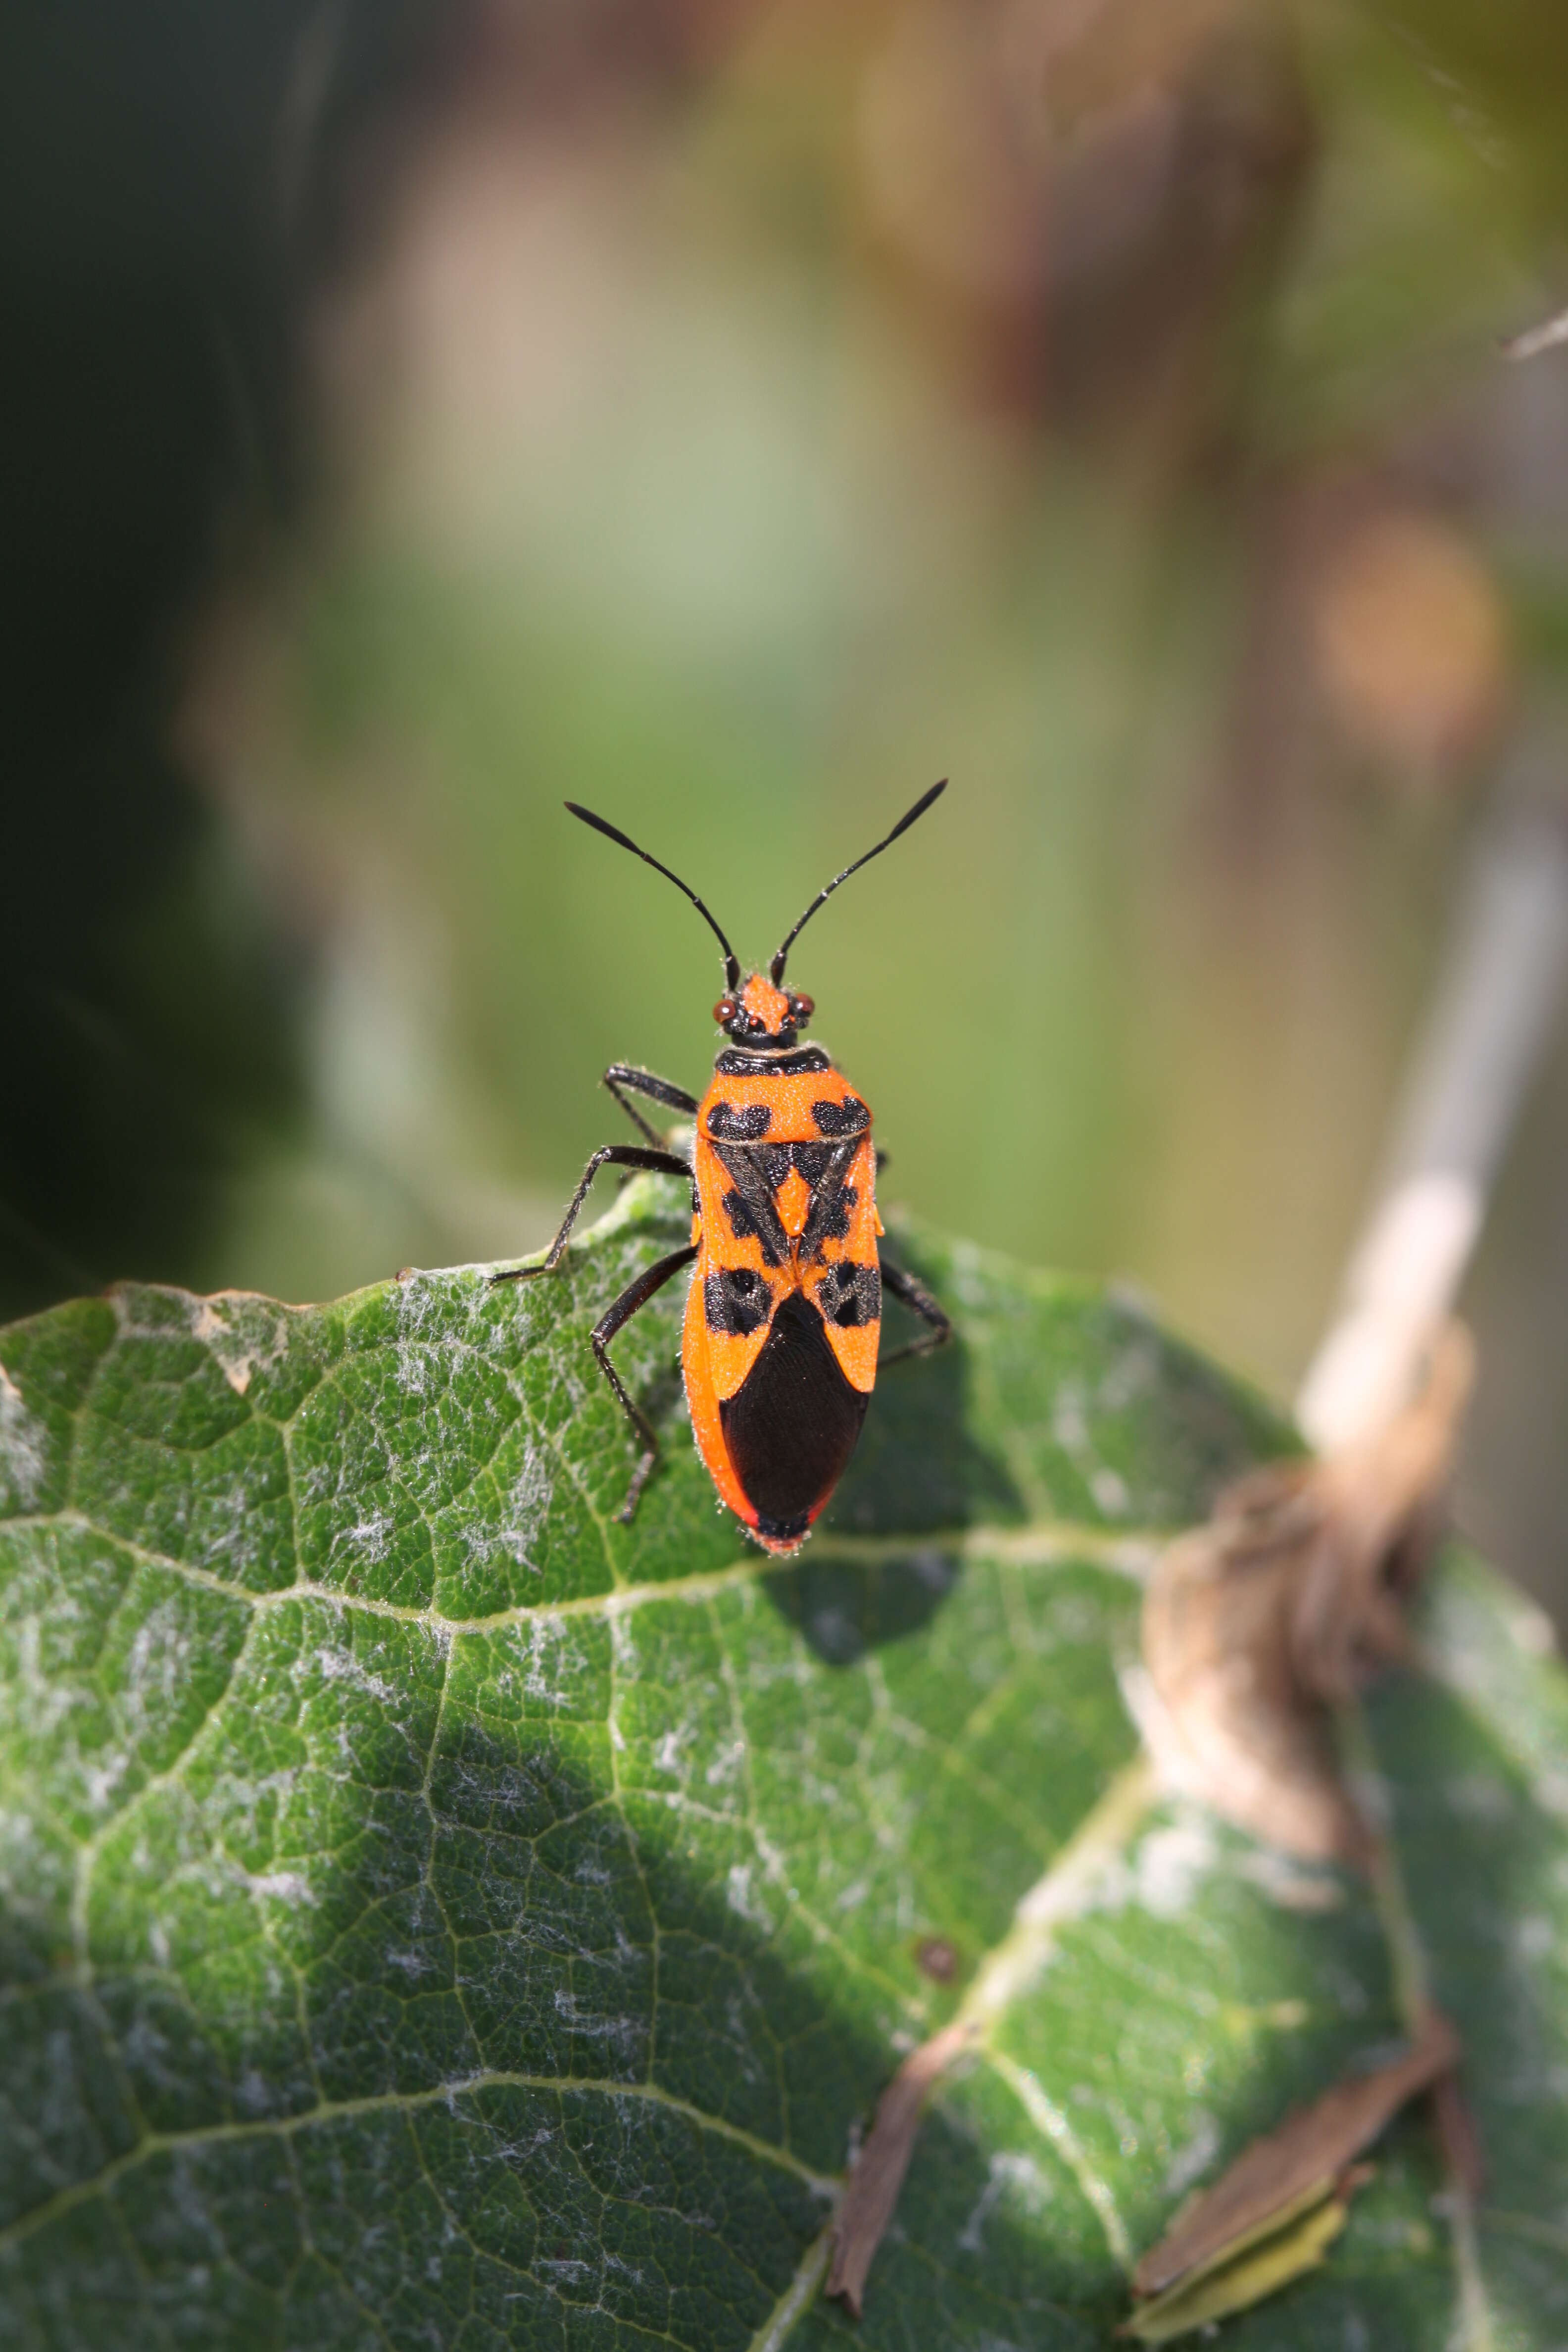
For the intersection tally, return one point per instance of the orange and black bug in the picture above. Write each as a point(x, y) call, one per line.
point(784, 1312)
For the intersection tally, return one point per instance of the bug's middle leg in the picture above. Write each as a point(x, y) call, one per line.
point(635, 1297)
point(609, 1155)
point(919, 1300)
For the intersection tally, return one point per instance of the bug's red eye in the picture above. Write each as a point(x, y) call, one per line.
point(804, 1006)
point(724, 1012)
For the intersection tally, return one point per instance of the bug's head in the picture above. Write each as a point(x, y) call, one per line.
point(758, 1013)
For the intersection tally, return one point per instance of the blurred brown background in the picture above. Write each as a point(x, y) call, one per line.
point(736, 417)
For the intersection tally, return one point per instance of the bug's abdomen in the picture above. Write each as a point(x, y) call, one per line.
point(790, 1431)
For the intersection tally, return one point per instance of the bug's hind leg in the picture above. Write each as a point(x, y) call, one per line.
point(643, 1082)
point(609, 1155)
point(919, 1300)
point(635, 1297)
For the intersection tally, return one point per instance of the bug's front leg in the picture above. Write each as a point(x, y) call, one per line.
point(659, 1090)
point(615, 1319)
point(609, 1155)
point(919, 1300)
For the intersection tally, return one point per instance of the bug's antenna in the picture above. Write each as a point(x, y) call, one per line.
point(775, 970)
point(731, 962)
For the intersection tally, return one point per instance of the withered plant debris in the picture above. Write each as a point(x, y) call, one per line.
point(879, 2174)
point(1273, 2212)
point(1311, 2146)
point(1258, 1623)
point(1283, 2248)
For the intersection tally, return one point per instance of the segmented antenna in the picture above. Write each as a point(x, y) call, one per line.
point(775, 970)
point(732, 962)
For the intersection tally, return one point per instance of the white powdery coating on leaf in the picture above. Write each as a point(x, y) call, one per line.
point(284, 1885)
point(1164, 1873)
point(1071, 1426)
point(370, 1537)
point(1190, 2163)
point(623, 2033)
point(337, 1664)
point(554, 1662)
point(1290, 1885)
point(24, 1440)
point(1135, 1371)
point(527, 1507)
point(1109, 1491)
point(1171, 1864)
point(667, 1754)
point(1007, 2172)
point(740, 1898)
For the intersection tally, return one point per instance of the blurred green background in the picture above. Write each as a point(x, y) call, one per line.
point(735, 416)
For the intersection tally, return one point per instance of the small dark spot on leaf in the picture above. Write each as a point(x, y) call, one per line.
point(937, 1958)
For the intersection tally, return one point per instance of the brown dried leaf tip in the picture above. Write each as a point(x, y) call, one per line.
point(1274, 2212)
point(1278, 1610)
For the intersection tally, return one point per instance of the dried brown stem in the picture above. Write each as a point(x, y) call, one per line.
point(877, 2177)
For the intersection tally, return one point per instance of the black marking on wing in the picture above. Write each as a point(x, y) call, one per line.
point(831, 1201)
point(811, 1162)
point(849, 1117)
point(833, 1224)
point(851, 1296)
point(743, 1125)
point(792, 1426)
point(743, 1226)
point(750, 1207)
point(736, 1301)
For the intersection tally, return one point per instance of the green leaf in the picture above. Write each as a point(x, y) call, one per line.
point(436, 1915)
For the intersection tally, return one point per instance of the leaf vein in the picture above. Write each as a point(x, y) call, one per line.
point(463, 2087)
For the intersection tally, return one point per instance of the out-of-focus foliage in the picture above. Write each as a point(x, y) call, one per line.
point(161, 211)
point(736, 417)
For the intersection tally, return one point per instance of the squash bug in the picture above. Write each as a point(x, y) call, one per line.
point(785, 1310)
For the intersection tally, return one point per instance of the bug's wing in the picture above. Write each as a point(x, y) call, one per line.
point(842, 1278)
point(738, 1280)
point(702, 1403)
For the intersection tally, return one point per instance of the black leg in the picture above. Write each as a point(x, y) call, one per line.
point(609, 1155)
point(918, 1298)
point(643, 1082)
point(635, 1296)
